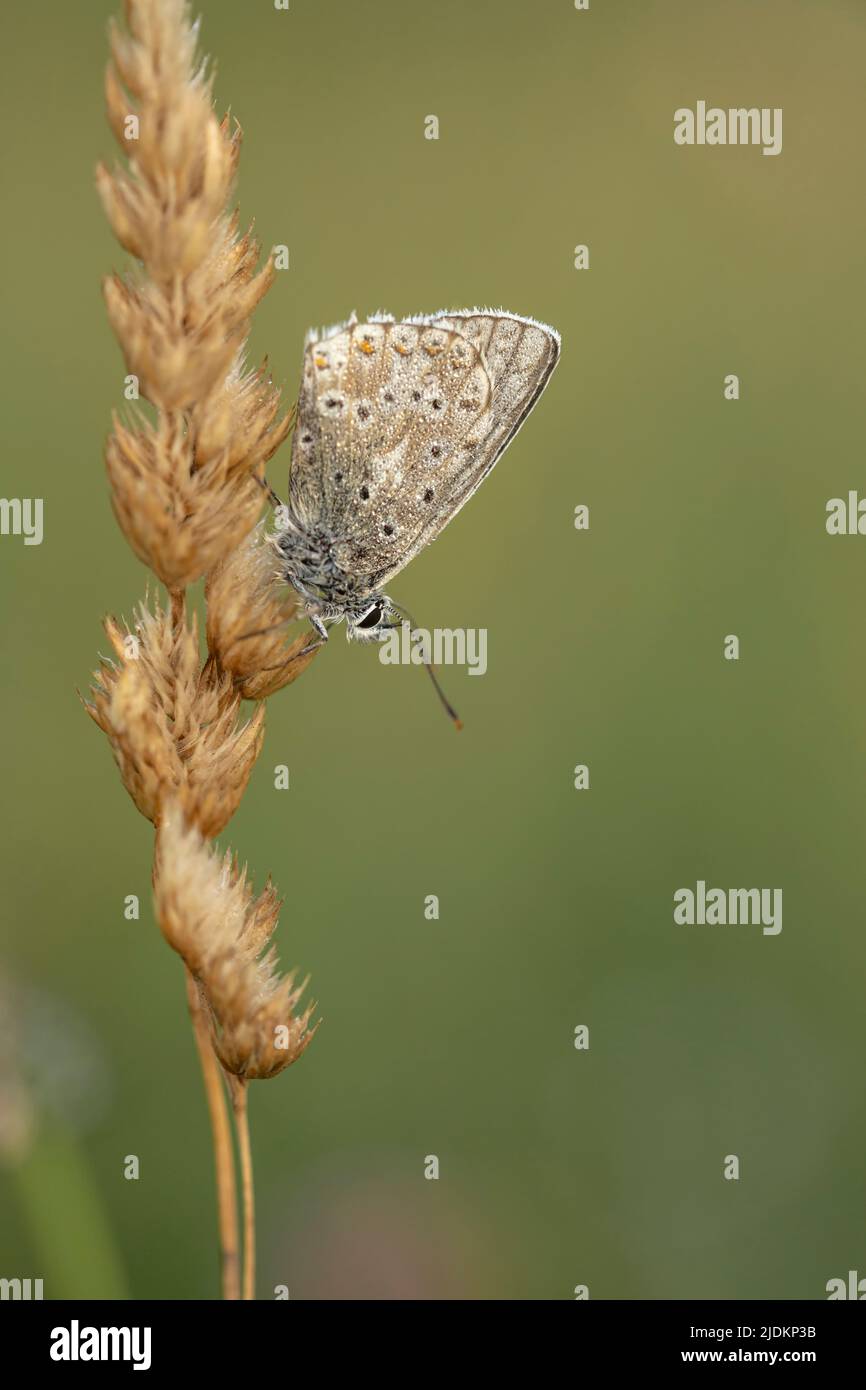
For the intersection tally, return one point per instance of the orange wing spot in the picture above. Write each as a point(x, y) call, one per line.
point(432, 349)
point(366, 347)
point(321, 362)
point(403, 351)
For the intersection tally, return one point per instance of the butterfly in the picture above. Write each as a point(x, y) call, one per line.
point(398, 424)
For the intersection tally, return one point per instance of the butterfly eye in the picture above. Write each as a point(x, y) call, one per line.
point(372, 617)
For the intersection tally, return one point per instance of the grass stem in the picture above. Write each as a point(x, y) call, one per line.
point(239, 1097)
point(224, 1161)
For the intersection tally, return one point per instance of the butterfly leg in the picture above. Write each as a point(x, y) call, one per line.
point(268, 491)
point(317, 623)
point(310, 647)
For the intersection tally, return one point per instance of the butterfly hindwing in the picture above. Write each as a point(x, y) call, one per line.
point(399, 423)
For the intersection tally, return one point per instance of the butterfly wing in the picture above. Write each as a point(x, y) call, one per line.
point(399, 423)
point(520, 355)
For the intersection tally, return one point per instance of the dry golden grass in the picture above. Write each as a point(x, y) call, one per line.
point(174, 726)
point(185, 493)
point(209, 914)
point(247, 617)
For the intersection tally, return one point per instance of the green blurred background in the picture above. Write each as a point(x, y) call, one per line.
point(455, 1037)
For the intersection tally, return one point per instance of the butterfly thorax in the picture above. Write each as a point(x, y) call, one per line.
point(309, 564)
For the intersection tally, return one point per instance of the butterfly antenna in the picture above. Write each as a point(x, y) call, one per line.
point(446, 703)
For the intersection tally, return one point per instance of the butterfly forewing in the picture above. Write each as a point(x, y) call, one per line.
point(520, 356)
point(399, 423)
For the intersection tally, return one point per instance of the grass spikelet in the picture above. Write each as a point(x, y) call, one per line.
point(186, 489)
